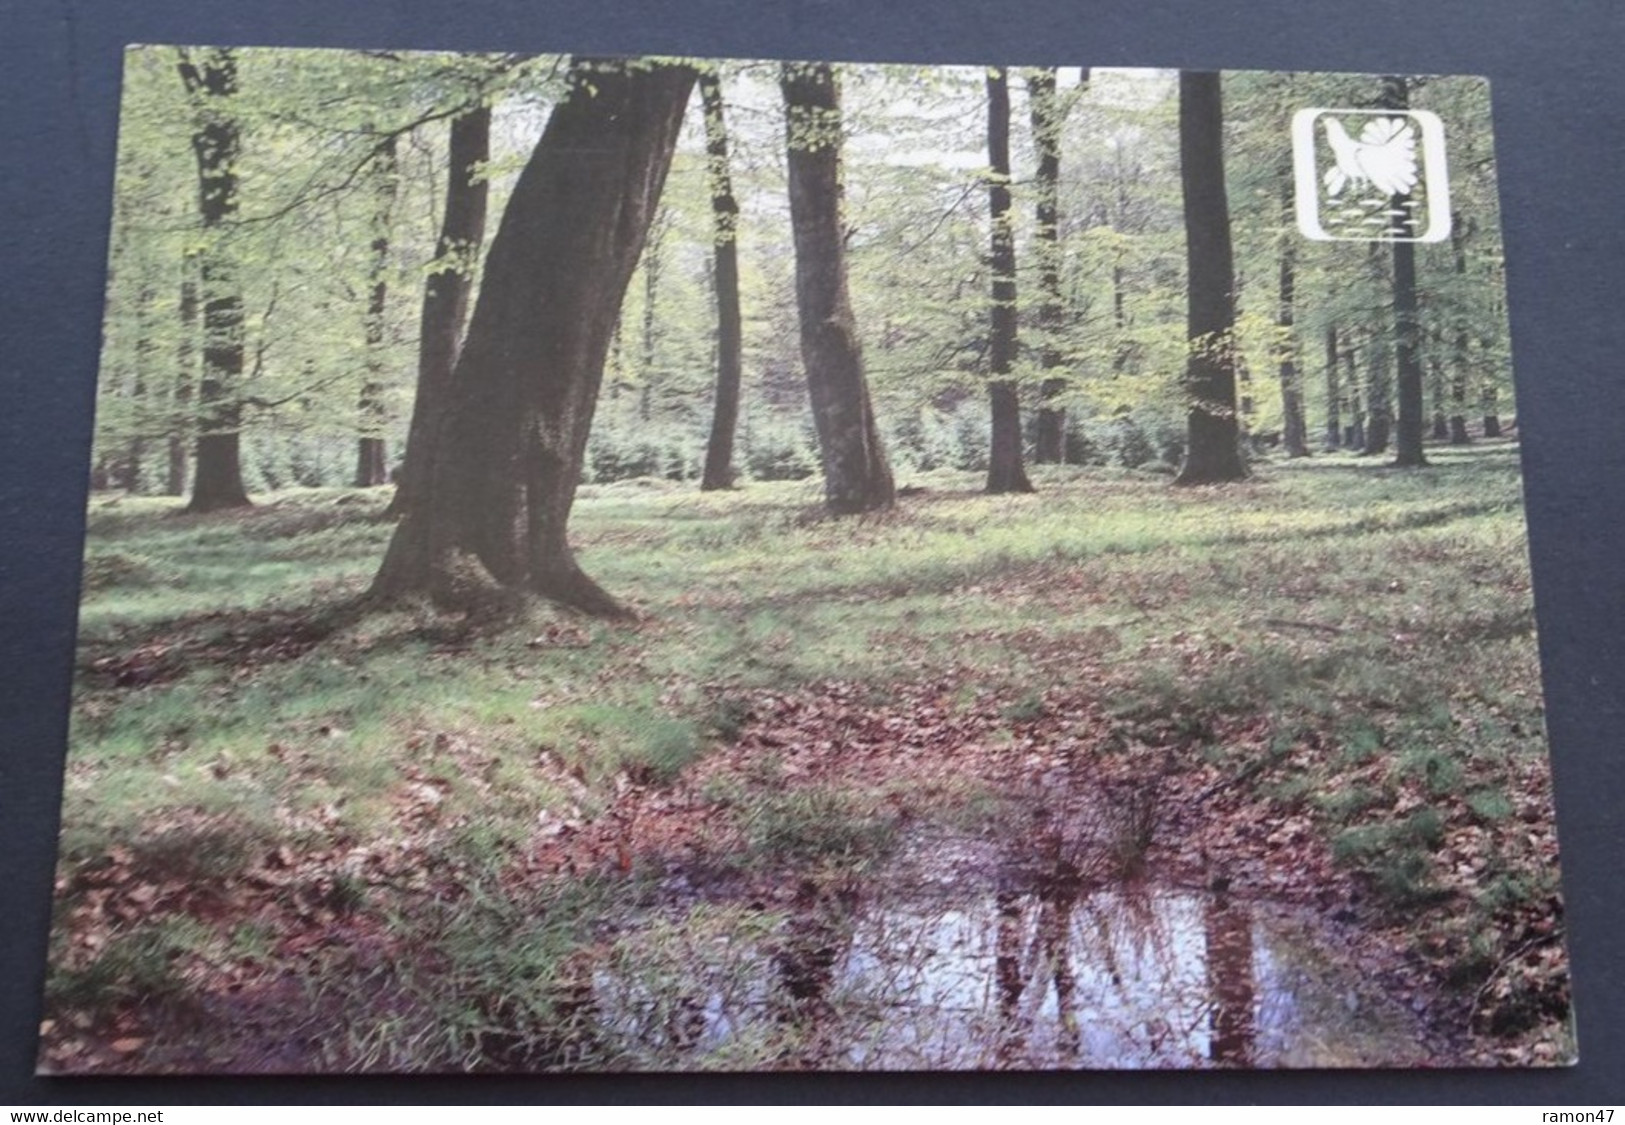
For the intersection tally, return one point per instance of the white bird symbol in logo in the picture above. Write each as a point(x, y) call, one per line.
point(1384, 156)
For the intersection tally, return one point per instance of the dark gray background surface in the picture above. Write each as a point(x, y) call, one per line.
point(1558, 73)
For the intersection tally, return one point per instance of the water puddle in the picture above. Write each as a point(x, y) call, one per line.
point(952, 960)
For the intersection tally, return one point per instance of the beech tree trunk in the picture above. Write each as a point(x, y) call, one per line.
point(372, 467)
point(1050, 436)
point(719, 450)
point(1354, 436)
point(1492, 417)
point(445, 294)
point(1295, 431)
point(1005, 471)
point(1212, 446)
point(1334, 393)
point(1407, 325)
point(185, 355)
point(493, 520)
point(1461, 365)
point(217, 481)
point(857, 477)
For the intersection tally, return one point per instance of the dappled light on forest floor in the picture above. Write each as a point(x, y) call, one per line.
point(903, 791)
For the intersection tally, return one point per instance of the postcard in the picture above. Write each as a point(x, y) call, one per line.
point(605, 564)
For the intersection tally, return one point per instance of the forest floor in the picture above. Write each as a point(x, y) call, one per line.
point(1115, 774)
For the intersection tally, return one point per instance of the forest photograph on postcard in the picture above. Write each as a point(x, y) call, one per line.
point(656, 564)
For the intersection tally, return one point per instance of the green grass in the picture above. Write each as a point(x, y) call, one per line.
point(1382, 616)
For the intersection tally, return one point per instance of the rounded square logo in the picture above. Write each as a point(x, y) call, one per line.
point(1370, 175)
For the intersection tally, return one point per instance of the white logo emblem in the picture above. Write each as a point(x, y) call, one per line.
point(1364, 175)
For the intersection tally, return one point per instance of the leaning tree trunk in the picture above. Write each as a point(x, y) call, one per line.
point(1212, 447)
point(857, 477)
point(445, 294)
point(1050, 437)
point(719, 450)
point(371, 464)
point(1295, 432)
point(503, 472)
point(1407, 325)
point(217, 481)
point(1005, 472)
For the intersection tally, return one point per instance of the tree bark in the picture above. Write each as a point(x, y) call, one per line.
point(857, 477)
point(719, 449)
point(445, 294)
point(1295, 431)
point(1212, 449)
point(1005, 471)
point(493, 520)
point(1407, 326)
point(1379, 394)
point(1050, 437)
point(1334, 393)
point(217, 481)
point(372, 468)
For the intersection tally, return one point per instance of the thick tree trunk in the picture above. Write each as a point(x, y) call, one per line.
point(372, 467)
point(218, 480)
point(445, 295)
point(857, 477)
point(1050, 436)
point(1295, 431)
point(1005, 471)
point(503, 472)
point(1212, 449)
point(1334, 393)
point(719, 449)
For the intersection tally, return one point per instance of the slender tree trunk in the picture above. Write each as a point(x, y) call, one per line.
point(180, 424)
point(1050, 437)
point(719, 449)
point(1212, 450)
point(1005, 471)
point(1379, 410)
point(146, 350)
point(372, 466)
point(1438, 394)
point(217, 482)
point(1355, 437)
point(1407, 324)
point(1461, 362)
point(445, 294)
point(1492, 417)
point(857, 477)
point(1334, 393)
point(1295, 431)
point(651, 291)
point(493, 521)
